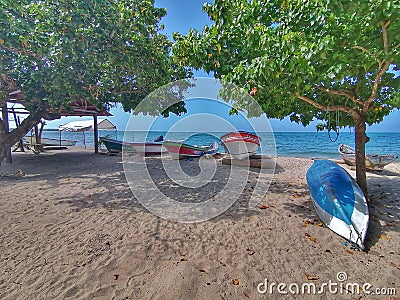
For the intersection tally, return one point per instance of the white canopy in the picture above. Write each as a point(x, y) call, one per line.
point(87, 125)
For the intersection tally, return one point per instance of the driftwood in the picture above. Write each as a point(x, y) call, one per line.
point(255, 161)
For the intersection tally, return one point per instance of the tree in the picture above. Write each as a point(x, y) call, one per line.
point(60, 51)
point(305, 59)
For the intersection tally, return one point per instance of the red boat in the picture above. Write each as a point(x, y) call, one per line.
point(178, 149)
point(240, 144)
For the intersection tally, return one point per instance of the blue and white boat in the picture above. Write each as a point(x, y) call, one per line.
point(338, 201)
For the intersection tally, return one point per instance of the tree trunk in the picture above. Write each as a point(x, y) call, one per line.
point(96, 134)
point(5, 146)
point(5, 130)
point(7, 139)
point(3, 153)
point(360, 140)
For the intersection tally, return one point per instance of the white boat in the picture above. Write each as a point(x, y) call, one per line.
point(114, 146)
point(149, 148)
point(338, 201)
point(372, 161)
point(240, 144)
point(50, 142)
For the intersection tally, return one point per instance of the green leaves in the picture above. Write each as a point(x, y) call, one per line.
point(331, 53)
point(103, 51)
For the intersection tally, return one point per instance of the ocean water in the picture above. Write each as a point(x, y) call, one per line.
point(298, 144)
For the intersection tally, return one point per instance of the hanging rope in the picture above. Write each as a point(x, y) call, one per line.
point(350, 127)
point(337, 121)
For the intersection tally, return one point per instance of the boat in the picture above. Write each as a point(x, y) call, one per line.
point(50, 142)
point(338, 201)
point(240, 144)
point(114, 146)
point(149, 148)
point(179, 149)
point(372, 161)
point(212, 149)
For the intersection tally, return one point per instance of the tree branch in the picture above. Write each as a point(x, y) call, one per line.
point(343, 108)
point(25, 126)
point(91, 87)
point(7, 84)
point(363, 50)
point(345, 93)
point(384, 26)
point(383, 67)
point(21, 51)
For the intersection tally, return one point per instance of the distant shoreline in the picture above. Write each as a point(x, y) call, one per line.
point(290, 144)
point(297, 132)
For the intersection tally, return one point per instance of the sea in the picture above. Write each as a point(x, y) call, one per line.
point(296, 144)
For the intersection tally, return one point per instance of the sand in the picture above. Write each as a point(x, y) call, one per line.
point(71, 228)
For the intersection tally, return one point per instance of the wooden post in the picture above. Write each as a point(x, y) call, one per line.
point(37, 137)
point(7, 125)
point(96, 134)
point(17, 123)
point(59, 134)
point(42, 123)
point(38, 147)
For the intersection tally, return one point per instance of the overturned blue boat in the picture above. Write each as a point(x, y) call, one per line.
point(338, 201)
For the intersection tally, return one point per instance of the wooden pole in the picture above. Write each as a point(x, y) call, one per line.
point(17, 123)
point(96, 134)
point(37, 137)
point(42, 123)
point(4, 113)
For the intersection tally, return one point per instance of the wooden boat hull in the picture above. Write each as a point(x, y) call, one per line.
point(240, 145)
point(115, 146)
point(338, 201)
point(373, 162)
point(178, 149)
point(381, 160)
point(351, 161)
point(149, 148)
point(258, 161)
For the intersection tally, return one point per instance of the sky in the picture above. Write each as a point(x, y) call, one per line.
point(198, 113)
point(183, 15)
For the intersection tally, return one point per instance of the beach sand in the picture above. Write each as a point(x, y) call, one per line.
point(71, 228)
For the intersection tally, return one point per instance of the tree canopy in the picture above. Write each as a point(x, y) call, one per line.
point(304, 59)
point(105, 51)
point(325, 52)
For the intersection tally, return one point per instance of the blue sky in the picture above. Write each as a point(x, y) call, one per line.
point(183, 15)
point(199, 112)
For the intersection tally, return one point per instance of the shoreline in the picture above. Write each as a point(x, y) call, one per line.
point(71, 227)
point(312, 144)
point(103, 151)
